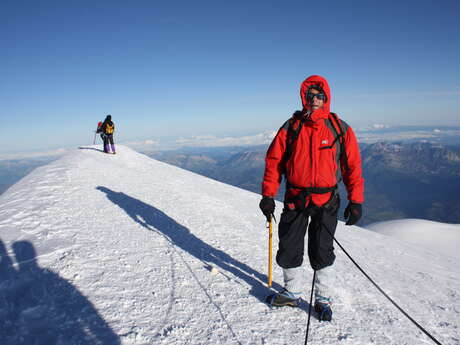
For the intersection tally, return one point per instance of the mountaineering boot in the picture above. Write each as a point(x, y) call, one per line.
point(324, 310)
point(283, 298)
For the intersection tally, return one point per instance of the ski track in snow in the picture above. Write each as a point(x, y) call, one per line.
point(153, 254)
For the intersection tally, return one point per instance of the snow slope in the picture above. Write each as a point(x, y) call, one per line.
point(123, 249)
point(441, 237)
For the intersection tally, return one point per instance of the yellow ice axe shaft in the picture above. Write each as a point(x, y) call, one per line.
point(270, 257)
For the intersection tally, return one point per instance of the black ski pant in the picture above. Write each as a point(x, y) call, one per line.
point(107, 139)
point(293, 227)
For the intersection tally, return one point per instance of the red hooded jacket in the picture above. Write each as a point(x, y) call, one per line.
point(313, 161)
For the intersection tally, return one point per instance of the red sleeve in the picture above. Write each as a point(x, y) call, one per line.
point(352, 170)
point(274, 165)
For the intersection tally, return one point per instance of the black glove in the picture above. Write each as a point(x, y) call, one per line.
point(267, 205)
point(353, 213)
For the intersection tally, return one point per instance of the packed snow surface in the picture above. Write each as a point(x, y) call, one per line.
point(123, 249)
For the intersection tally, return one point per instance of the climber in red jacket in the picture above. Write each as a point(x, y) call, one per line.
point(312, 149)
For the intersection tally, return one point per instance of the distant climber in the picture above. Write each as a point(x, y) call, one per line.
point(107, 129)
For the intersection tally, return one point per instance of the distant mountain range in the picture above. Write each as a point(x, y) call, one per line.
point(238, 166)
point(403, 180)
point(412, 180)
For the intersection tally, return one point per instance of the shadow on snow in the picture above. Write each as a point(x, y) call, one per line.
point(155, 220)
point(90, 148)
point(39, 307)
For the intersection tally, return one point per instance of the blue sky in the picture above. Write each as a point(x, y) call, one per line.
point(183, 68)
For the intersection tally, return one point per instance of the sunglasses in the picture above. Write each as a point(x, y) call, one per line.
point(321, 96)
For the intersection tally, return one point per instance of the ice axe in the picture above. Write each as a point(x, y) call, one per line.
point(270, 247)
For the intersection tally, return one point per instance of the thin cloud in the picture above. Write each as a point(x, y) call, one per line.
point(31, 155)
point(403, 135)
point(211, 141)
point(455, 93)
point(204, 141)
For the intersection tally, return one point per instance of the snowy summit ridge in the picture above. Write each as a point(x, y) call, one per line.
point(123, 249)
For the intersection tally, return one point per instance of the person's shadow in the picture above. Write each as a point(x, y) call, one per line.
point(155, 220)
point(39, 307)
point(90, 148)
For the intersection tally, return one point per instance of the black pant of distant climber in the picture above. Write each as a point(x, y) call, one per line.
point(108, 139)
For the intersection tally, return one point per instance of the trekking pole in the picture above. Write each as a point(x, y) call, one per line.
point(309, 308)
point(270, 245)
point(99, 124)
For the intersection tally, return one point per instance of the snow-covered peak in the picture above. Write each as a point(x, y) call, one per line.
point(123, 249)
point(440, 237)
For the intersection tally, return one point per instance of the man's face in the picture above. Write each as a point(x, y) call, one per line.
point(315, 99)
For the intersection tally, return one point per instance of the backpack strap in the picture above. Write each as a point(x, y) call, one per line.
point(337, 127)
point(292, 136)
point(292, 133)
